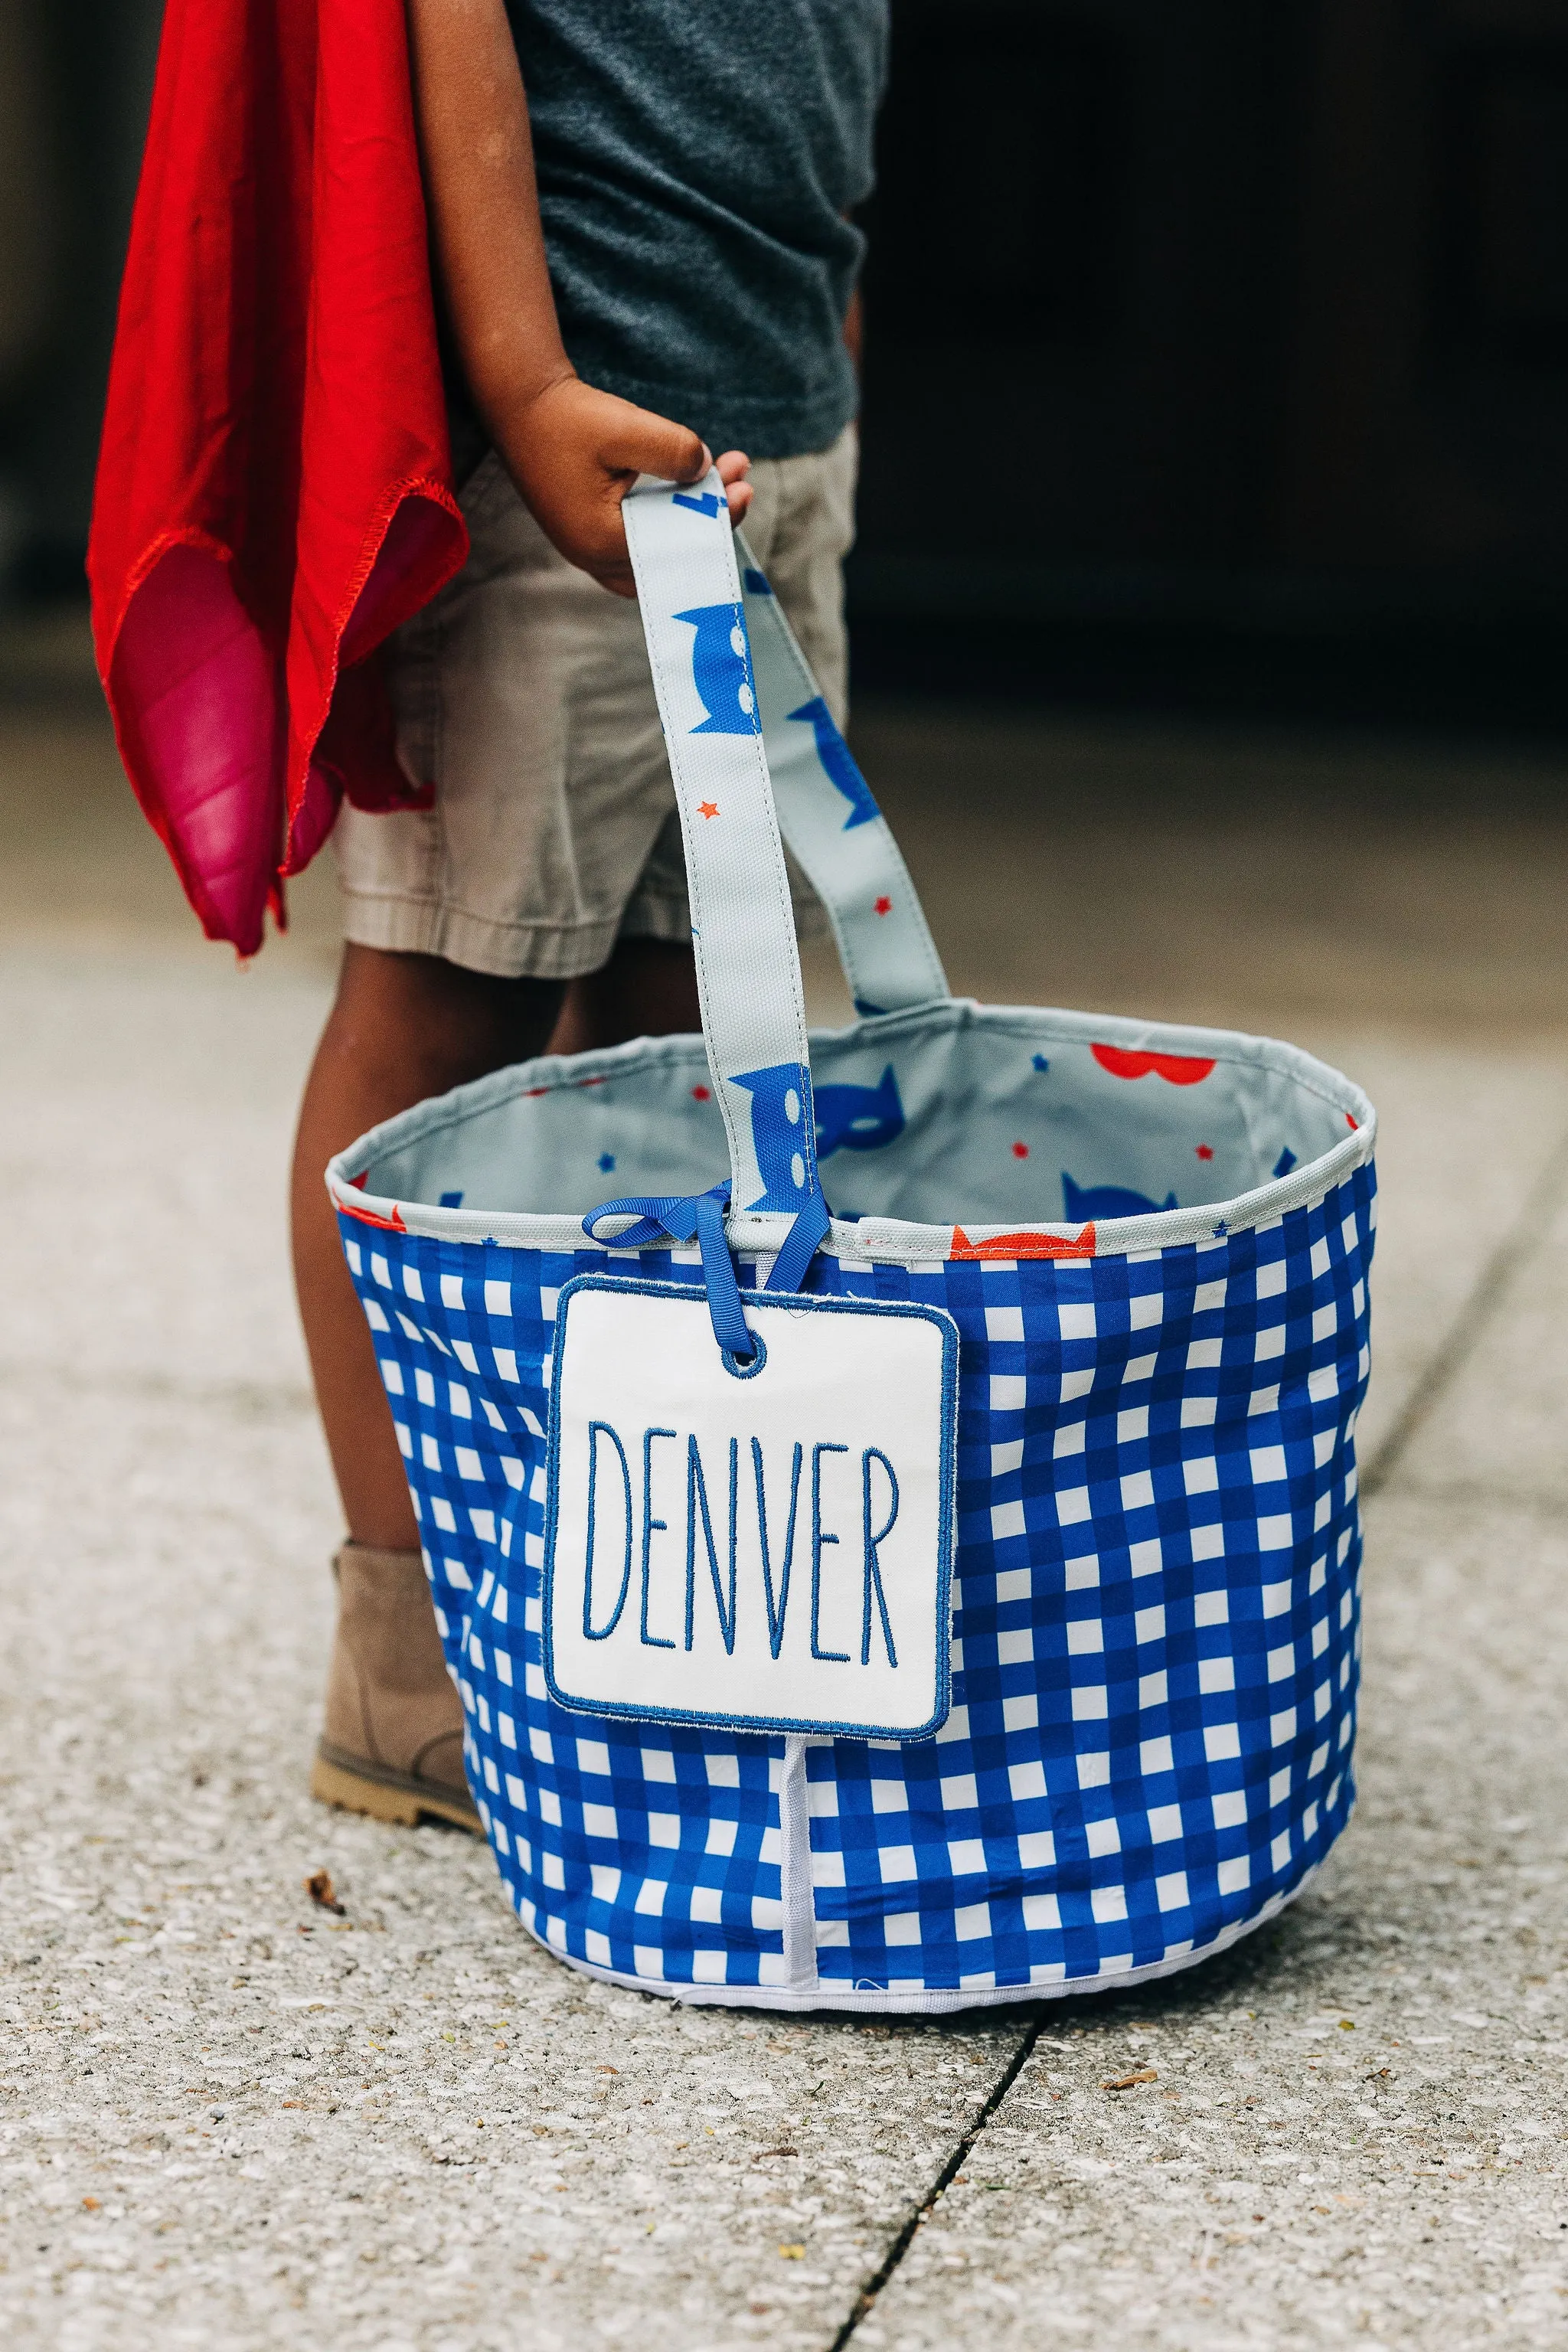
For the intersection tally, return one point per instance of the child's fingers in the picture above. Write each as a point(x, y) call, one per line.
point(639, 442)
point(732, 469)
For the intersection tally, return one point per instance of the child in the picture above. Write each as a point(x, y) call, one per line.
point(661, 264)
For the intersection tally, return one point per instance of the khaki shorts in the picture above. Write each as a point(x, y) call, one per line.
point(523, 694)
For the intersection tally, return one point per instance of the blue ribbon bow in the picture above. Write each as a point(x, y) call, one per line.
point(699, 1217)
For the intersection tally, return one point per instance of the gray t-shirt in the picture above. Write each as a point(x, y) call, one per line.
point(696, 158)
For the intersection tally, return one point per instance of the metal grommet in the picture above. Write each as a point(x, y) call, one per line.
point(745, 1368)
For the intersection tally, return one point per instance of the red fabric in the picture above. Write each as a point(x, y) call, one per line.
point(274, 491)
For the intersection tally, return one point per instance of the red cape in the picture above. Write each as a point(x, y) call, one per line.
point(274, 492)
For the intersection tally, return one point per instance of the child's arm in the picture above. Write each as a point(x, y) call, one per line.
point(573, 452)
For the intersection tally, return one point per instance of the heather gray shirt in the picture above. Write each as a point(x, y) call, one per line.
point(696, 158)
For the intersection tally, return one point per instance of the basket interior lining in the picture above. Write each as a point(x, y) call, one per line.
point(951, 1115)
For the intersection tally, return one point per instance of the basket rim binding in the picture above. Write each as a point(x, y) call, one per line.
point(861, 1997)
point(872, 1239)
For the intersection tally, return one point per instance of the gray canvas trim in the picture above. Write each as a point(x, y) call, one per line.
point(890, 1238)
point(794, 1871)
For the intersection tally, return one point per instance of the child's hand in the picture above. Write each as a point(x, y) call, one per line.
point(574, 453)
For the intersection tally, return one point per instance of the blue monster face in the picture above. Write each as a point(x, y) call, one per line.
point(859, 1119)
point(1081, 1204)
point(838, 763)
point(781, 1134)
point(721, 670)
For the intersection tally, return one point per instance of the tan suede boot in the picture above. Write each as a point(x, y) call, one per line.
point(393, 1742)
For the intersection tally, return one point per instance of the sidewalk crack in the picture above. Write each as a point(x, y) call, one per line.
point(922, 2212)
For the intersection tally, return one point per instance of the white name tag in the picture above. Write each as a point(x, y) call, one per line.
point(771, 1552)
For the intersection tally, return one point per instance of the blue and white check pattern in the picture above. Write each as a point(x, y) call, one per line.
point(1156, 1625)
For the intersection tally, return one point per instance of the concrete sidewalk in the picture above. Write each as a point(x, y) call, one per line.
point(231, 2119)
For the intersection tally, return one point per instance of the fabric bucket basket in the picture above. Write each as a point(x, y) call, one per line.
point(1154, 1243)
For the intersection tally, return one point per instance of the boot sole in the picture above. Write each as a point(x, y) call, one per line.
point(395, 1798)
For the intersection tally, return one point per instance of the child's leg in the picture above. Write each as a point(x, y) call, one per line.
point(403, 1027)
point(648, 989)
point(523, 696)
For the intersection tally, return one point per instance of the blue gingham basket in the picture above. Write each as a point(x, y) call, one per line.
point(1154, 1243)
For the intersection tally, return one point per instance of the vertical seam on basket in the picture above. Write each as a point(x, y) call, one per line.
point(795, 1871)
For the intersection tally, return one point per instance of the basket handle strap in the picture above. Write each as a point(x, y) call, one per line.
point(742, 925)
point(683, 555)
point(829, 818)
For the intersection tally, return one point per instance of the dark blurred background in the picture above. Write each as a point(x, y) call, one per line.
point(74, 88)
point(1260, 315)
point(1255, 314)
